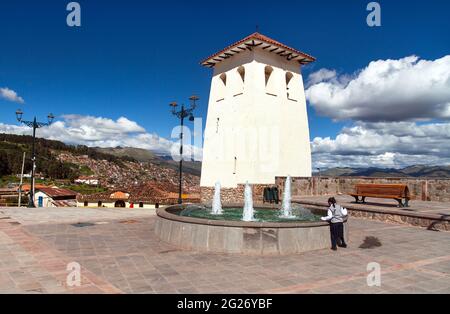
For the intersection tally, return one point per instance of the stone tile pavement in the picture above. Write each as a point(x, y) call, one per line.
point(71, 214)
point(124, 256)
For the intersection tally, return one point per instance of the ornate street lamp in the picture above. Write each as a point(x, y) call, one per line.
point(182, 114)
point(34, 125)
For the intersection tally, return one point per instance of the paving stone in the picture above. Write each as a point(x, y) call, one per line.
point(129, 258)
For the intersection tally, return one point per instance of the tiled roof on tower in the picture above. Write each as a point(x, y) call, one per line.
point(255, 41)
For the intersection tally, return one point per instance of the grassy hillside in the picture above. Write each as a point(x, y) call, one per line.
point(143, 155)
point(139, 154)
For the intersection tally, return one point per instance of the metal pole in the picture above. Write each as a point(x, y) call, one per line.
point(33, 159)
point(180, 200)
point(21, 181)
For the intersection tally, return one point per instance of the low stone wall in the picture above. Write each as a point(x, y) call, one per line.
point(421, 189)
point(429, 221)
point(233, 195)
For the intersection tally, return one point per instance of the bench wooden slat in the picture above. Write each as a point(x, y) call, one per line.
point(378, 196)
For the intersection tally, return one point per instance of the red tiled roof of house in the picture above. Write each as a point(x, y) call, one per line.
point(262, 41)
point(57, 192)
point(27, 187)
point(151, 192)
point(119, 195)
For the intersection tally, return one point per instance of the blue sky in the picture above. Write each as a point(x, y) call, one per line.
point(126, 57)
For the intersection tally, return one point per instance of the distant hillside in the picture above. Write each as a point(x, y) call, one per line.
point(417, 171)
point(336, 172)
point(138, 154)
point(114, 167)
point(12, 148)
point(143, 155)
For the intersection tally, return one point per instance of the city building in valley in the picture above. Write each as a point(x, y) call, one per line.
point(87, 180)
point(133, 199)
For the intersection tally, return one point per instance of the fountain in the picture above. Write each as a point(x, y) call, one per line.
point(286, 209)
point(217, 205)
point(248, 214)
point(263, 229)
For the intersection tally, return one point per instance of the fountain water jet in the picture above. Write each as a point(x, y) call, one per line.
point(217, 205)
point(248, 214)
point(286, 209)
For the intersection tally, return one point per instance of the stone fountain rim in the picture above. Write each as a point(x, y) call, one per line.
point(163, 212)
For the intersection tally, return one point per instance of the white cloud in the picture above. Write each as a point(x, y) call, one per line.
point(385, 145)
point(10, 95)
point(386, 90)
point(320, 76)
point(102, 132)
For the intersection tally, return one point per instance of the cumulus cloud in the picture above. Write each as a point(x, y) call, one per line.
point(321, 76)
point(103, 132)
point(407, 89)
point(385, 145)
point(10, 95)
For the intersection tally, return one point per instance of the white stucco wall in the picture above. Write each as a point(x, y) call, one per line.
point(46, 200)
point(261, 127)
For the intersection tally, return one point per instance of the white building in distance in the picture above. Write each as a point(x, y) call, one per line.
point(54, 197)
point(87, 180)
point(257, 123)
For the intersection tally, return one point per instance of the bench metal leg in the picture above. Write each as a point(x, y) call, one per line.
point(400, 202)
point(406, 202)
point(360, 201)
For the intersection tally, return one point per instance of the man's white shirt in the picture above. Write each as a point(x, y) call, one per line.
point(330, 214)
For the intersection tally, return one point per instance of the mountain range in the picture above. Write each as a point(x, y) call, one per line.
point(416, 171)
point(12, 147)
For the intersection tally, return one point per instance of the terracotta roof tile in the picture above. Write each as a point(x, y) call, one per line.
point(292, 53)
point(162, 193)
point(57, 192)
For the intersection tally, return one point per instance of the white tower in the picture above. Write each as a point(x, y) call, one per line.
point(257, 124)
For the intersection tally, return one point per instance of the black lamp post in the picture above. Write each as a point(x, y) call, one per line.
point(181, 114)
point(34, 125)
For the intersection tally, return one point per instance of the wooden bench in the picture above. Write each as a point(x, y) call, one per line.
point(398, 192)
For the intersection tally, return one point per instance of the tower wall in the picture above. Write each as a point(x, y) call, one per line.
point(256, 128)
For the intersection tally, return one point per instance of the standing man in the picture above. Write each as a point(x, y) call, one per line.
point(336, 216)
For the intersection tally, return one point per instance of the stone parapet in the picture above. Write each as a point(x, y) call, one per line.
point(421, 189)
point(431, 189)
point(233, 195)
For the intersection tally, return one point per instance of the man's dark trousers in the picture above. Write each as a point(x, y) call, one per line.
point(337, 234)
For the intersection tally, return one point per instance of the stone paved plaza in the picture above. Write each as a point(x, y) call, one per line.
point(119, 253)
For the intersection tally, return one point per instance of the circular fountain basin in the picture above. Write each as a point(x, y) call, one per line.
point(232, 236)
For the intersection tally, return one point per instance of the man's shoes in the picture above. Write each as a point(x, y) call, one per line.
point(334, 248)
point(343, 246)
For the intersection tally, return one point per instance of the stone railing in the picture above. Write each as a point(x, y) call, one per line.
point(233, 195)
point(420, 189)
point(425, 189)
